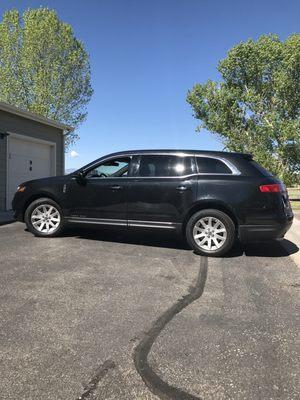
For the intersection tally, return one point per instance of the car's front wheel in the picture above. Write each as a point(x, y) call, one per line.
point(210, 232)
point(44, 218)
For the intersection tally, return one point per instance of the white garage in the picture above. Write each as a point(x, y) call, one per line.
point(28, 158)
point(31, 147)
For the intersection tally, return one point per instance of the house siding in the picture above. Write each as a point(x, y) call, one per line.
point(3, 162)
point(22, 126)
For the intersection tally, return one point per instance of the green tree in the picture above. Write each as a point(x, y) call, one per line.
point(43, 67)
point(255, 107)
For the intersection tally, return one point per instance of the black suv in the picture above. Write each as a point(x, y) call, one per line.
point(212, 197)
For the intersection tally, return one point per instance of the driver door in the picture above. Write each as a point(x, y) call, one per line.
point(102, 196)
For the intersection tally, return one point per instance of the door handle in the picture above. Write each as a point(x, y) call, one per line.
point(116, 187)
point(182, 188)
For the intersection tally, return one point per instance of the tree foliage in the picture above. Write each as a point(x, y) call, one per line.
point(43, 67)
point(255, 108)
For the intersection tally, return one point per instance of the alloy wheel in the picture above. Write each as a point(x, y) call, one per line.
point(45, 218)
point(209, 233)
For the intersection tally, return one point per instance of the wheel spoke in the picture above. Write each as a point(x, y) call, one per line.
point(202, 222)
point(36, 217)
point(220, 230)
point(199, 235)
point(209, 243)
point(37, 222)
point(216, 242)
point(203, 241)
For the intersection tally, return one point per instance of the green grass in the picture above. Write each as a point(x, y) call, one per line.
point(295, 205)
point(294, 193)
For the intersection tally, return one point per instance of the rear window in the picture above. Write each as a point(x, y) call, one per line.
point(208, 165)
point(261, 169)
point(165, 165)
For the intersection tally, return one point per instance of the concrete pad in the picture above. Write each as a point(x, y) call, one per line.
point(292, 237)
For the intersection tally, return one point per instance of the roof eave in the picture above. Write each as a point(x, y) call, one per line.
point(35, 117)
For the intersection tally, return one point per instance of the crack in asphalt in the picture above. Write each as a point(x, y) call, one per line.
point(99, 374)
point(157, 386)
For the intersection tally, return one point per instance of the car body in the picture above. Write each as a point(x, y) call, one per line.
point(164, 189)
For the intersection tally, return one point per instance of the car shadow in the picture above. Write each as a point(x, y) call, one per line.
point(142, 237)
point(271, 248)
point(173, 240)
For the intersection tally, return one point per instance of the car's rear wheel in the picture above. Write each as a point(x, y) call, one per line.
point(210, 232)
point(44, 218)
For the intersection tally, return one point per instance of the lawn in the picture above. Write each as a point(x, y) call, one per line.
point(294, 193)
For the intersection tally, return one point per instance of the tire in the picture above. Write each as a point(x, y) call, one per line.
point(216, 238)
point(40, 222)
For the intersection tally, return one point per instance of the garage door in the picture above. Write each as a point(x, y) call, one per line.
point(26, 160)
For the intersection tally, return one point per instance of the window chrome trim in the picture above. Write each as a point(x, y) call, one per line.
point(182, 154)
point(137, 178)
point(232, 167)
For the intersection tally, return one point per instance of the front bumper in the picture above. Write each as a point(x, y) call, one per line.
point(249, 233)
point(18, 204)
point(18, 216)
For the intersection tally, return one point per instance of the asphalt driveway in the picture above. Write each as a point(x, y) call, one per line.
point(117, 315)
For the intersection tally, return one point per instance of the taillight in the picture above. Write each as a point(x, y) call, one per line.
point(273, 188)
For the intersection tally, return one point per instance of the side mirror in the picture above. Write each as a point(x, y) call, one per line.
point(80, 178)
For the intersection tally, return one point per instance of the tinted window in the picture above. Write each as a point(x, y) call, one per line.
point(110, 168)
point(208, 165)
point(165, 165)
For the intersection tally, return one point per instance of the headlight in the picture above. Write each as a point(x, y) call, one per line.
point(21, 189)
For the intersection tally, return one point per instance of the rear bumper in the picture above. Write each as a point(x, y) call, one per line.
point(249, 233)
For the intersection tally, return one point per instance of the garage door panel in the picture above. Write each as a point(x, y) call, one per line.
point(27, 160)
point(23, 165)
point(19, 148)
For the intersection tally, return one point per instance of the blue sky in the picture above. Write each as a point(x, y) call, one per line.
point(146, 54)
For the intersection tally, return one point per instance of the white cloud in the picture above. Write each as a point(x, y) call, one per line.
point(74, 153)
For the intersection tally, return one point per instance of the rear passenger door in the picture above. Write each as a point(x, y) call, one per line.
point(162, 189)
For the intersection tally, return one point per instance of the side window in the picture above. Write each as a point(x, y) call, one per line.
point(207, 165)
point(165, 165)
point(117, 167)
